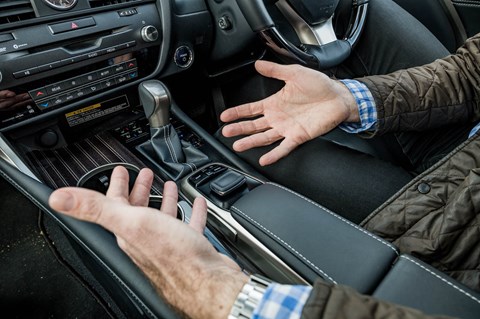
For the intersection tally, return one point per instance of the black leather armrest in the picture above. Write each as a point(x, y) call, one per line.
point(313, 240)
point(415, 284)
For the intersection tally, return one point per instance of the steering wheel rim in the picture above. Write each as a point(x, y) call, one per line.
point(317, 51)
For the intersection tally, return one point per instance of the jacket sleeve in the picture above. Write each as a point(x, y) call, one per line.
point(340, 302)
point(445, 91)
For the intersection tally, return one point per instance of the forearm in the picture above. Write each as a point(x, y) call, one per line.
point(443, 92)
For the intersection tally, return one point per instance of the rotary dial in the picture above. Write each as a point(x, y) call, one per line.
point(61, 4)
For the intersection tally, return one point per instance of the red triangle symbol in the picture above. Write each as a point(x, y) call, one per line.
point(39, 93)
point(74, 25)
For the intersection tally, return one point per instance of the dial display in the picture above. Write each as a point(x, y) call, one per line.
point(61, 4)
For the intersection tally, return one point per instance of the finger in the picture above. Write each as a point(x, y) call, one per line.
point(6, 94)
point(88, 205)
point(198, 221)
point(140, 193)
point(279, 152)
point(170, 199)
point(118, 183)
point(242, 111)
point(256, 140)
point(274, 70)
point(246, 127)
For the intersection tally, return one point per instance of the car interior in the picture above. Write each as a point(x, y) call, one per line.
point(86, 85)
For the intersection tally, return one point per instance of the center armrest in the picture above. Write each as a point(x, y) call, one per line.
point(313, 240)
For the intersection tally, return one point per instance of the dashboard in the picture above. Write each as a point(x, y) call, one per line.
point(61, 57)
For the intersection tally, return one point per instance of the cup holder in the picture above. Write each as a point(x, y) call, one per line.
point(98, 179)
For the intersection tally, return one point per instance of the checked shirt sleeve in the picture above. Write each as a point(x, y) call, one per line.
point(282, 301)
point(366, 108)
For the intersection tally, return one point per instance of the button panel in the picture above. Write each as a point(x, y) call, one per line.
point(75, 59)
point(72, 25)
point(84, 85)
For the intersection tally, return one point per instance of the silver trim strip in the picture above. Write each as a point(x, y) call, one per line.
point(251, 246)
point(9, 155)
point(314, 35)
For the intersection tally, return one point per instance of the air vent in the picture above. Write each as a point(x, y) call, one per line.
point(15, 10)
point(101, 3)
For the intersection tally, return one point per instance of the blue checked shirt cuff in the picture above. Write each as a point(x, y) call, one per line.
point(366, 108)
point(282, 301)
point(474, 130)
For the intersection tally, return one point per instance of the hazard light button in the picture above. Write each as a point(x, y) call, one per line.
point(71, 25)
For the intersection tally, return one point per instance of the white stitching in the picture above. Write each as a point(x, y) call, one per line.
point(169, 140)
point(441, 278)
point(166, 142)
point(340, 218)
point(284, 243)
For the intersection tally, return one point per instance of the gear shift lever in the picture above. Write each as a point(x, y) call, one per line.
point(172, 156)
point(156, 102)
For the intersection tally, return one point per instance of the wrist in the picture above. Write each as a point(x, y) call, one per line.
point(349, 102)
point(249, 298)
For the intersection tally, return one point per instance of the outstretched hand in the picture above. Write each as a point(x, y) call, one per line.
point(309, 105)
point(181, 263)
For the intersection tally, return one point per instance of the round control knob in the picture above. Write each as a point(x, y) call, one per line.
point(149, 33)
point(183, 56)
point(48, 138)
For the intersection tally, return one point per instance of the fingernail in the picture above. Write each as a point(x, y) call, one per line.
point(62, 201)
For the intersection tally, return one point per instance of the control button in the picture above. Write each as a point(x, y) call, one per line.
point(69, 97)
point(225, 23)
point(6, 37)
point(93, 88)
point(92, 55)
point(133, 75)
point(105, 72)
point(127, 12)
point(48, 138)
point(57, 101)
point(79, 58)
point(44, 105)
point(131, 64)
point(125, 45)
point(149, 33)
point(38, 94)
point(71, 25)
point(109, 83)
point(110, 50)
point(121, 79)
point(72, 83)
point(24, 73)
point(55, 88)
point(119, 68)
point(183, 57)
point(79, 94)
point(51, 66)
point(88, 77)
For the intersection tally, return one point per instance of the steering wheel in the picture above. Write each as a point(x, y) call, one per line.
point(312, 21)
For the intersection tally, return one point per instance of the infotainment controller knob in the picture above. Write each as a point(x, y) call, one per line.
point(149, 33)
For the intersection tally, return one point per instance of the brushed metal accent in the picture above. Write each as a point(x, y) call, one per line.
point(9, 155)
point(315, 35)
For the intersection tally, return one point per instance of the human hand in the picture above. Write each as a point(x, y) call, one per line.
point(180, 262)
point(11, 101)
point(309, 105)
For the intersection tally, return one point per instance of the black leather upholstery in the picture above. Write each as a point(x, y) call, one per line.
point(128, 280)
point(312, 240)
point(415, 284)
